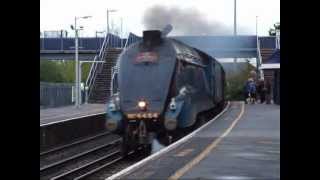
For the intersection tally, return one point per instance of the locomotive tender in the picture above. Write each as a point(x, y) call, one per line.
point(162, 86)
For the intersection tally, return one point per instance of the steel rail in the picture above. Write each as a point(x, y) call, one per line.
point(87, 165)
point(84, 140)
point(101, 167)
point(50, 166)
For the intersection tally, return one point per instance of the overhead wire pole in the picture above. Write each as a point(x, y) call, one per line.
point(235, 19)
point(259, 71)
point(77, 104)
point(77, 64)
point(121, 32)
point(235, 28)
point(108, 21)
point(258, 59)
point(109, 11)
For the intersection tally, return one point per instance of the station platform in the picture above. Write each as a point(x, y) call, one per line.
point(56, 115)
point(242, 143)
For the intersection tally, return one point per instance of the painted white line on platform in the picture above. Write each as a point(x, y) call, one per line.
point(164, 150)
point(73, 118)
point(207, 150)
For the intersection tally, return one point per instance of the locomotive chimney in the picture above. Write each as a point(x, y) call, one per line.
point(151, 37)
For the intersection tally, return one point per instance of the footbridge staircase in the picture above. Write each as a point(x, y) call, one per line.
point(100, 75)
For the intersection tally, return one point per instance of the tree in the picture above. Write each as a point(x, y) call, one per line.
point(50, 71)
point(61, 72)
point(272, 31)
point(236, 81)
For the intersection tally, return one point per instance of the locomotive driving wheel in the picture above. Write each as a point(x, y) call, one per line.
point(147, 149)
point(129, 139)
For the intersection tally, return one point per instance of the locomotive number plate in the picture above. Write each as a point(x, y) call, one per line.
point(146, 57)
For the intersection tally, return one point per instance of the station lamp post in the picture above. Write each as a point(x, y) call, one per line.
point(259, 60)
point(77, 67)
point(235, 28)
point(235, 19)
point(99, 42)
point(109, 11)
point(121, 31)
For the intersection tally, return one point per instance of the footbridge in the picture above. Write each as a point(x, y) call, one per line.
point(216, 46)
point(103, 52)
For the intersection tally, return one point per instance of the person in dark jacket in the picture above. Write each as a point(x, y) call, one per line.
point(246, 91)
point(268, 91)
point(261, 90)
point(253, 91)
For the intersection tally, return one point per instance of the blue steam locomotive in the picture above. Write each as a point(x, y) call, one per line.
point(162, 87)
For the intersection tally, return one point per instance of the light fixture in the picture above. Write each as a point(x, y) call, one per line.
point(142, 105)
point(86, 17)
point(173, 105)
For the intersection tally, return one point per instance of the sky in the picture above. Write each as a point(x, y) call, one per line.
point(59, 14)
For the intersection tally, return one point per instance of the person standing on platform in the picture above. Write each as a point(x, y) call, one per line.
point(246, 91)
point(268, 91)
point(261, 90)
point(253, 90)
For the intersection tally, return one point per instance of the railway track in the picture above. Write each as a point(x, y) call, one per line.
point(70, 145)
point(99, 162)
point(108, 170)
point(88, 164)
point(80, 161)
point(89, 168)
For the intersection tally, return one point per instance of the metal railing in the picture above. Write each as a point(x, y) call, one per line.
point(55, 94)
point(67, 43)
point(115, 69)
point(125, 45)
point(259, 58)
point(92, 73)
point(131, 39)
point(110, 40)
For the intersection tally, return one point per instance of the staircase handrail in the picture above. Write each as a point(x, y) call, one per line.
point(126, 42)
point(115, 68)
point(92, 73)
point(259, 57)
point(109, 41)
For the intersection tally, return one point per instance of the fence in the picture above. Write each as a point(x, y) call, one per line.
point(55, 94)
point(85, 43)
point(268, 42)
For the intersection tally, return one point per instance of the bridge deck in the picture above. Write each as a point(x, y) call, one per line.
point(56, 115)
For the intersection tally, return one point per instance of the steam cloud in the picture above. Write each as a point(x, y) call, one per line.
point(184, 21)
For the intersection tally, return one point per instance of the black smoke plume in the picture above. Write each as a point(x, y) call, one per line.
point(184, 21)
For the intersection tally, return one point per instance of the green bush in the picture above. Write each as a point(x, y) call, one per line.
point(61, 71)
point(235, 83)
point(50, 72)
